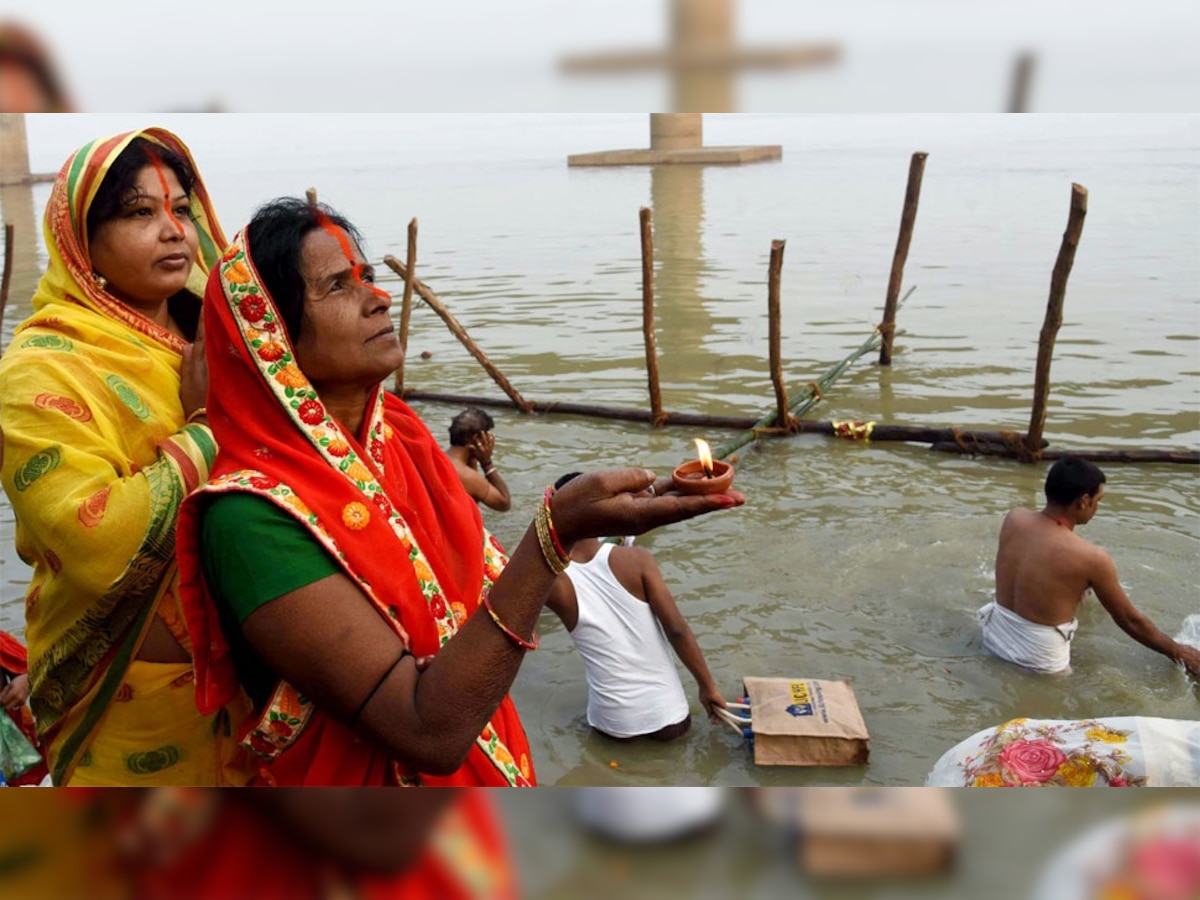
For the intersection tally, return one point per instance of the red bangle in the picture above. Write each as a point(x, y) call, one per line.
point(513, 636)
point(558, 547)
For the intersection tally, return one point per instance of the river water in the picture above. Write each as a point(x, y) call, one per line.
point(852, 561)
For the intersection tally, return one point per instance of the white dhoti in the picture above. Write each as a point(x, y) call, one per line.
point(1042, 648)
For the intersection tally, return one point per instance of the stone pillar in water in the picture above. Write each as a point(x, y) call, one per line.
point(14, 149)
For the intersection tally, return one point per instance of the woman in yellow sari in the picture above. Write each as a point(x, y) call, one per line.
point(104, 433)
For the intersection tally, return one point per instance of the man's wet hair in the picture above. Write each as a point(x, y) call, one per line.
point(1070, 478)
point(570, 476)
point(467, 424)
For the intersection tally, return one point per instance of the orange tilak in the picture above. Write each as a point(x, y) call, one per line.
point(356, 270)
point(162, 179)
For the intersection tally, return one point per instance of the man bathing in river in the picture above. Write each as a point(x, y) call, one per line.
point(1043, 569)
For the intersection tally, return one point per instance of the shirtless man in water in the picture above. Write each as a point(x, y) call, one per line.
point(471, 447)
point(1043, 569)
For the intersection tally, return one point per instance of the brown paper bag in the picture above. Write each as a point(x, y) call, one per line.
point(806, 722)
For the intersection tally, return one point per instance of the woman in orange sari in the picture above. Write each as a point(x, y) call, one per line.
point(334, 565)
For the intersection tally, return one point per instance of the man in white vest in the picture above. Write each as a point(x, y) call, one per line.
point(621, 615)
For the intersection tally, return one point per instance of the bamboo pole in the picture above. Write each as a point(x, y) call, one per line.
point(912, 195)
point(648, 315)
point(947, 440)
point(774, 329)
point(406, 303)
point(311, 196)
point(459, 332)
point(810, 395)
point(1054, 308)
point(6, 278)
point(583, 409)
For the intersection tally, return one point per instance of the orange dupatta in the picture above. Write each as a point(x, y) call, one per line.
point(372, 500)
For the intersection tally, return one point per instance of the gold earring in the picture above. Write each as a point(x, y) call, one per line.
point(99, 280)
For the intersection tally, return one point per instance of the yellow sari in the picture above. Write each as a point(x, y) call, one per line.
point(95, 457)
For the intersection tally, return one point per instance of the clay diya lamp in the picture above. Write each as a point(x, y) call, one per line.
point(704, 475)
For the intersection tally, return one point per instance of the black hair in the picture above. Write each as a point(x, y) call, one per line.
point(1070, 478)
point(275, 236)
point(115, 190)
point(467, 424)
point(570, 476)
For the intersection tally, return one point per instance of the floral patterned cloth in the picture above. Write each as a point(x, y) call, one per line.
point(1124, 751)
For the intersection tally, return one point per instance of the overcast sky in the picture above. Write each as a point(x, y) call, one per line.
point(372, 55)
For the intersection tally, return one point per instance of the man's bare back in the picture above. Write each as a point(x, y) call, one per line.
point(1042, 567)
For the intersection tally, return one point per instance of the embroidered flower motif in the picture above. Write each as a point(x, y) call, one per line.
point(437, 606)
point(503, 756)
point(271, 351)
point(1077, 772)
point(337, 447)
point(1032, 761)
point(280, 728)
point(262, 482)
point(358, 471)
point(525, 765)
point(382, 503)
point(291, 376)
point(355, 516)
point(388, 431)
point(1102, 734)
point(311, 412)
point(261, 746)
point(253, 308)
point(422, 570)
point(377, 450)
point(1118, 782)
point(238, 273)
point(298, 505)
point(459, 611)
point(991, 780)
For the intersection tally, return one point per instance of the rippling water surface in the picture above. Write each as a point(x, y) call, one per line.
point(849, 561)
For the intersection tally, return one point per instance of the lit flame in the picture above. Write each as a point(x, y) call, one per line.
point(705, 457)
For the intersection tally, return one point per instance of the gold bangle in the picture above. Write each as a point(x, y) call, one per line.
point(488, 471)
point(557, 563)
point(195, 414)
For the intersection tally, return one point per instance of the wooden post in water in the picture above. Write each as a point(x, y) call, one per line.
point(1054, 307)
point(461, 333)
point(406, 303)
point(773, 330)
point(912, 195)
point(6, 278)
point(656, 408)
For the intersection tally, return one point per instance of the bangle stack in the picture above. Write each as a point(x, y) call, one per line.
point(552, 549)
point(196, 414)
point(509, 633)
point(488, 471)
